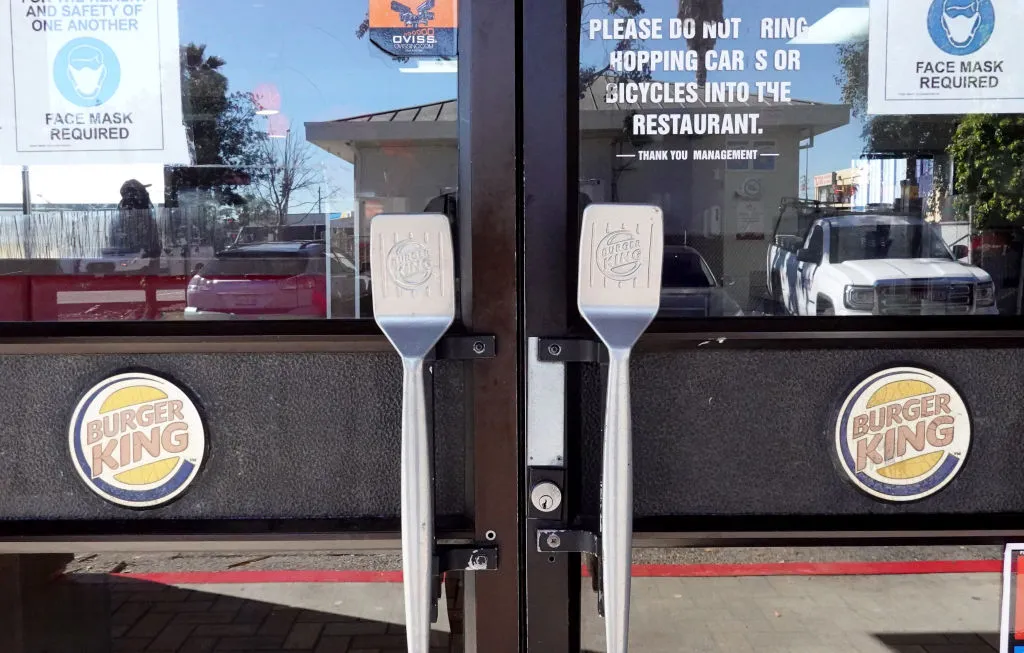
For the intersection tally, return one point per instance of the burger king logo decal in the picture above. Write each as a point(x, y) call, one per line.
point(137, 440)
point(903, 434)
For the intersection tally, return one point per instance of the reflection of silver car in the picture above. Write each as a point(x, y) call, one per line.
point(689, 287)
point(276, 280)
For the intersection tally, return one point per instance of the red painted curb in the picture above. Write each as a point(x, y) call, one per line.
point(639, 571)
point(820, 569)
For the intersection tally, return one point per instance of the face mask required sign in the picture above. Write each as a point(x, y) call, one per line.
point(90, 81)
point(945, 57)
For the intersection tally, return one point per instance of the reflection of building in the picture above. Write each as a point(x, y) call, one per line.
point(404, 158)
point(882, 183)
point(839, 187)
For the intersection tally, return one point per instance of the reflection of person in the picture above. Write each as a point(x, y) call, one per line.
point(135, 228)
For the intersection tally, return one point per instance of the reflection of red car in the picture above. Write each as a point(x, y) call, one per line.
point(271, 280)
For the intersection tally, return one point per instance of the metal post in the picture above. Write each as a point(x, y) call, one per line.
point(489, 170)
point(26, 192)
point(327, 265)
point(26, 210)
point(356, 255)
point(551, 30)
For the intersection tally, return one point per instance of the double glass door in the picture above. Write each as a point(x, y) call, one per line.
point(775, 203)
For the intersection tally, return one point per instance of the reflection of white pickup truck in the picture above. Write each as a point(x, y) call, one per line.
point(866, 264)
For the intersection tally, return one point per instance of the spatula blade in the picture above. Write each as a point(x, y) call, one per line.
point(412, 278)
point(621, 249)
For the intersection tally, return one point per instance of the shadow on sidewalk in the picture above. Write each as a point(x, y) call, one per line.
point(940, 642)
point(106, 614)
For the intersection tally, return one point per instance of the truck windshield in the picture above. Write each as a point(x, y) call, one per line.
point(883, 241)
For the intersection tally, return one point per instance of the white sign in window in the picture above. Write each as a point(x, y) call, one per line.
point(95, 82)
point(946, 57)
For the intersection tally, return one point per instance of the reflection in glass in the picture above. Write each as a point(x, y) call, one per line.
point(837, 200)
point(298, 130)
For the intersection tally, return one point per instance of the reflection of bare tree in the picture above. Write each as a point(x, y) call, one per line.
point(290, 170)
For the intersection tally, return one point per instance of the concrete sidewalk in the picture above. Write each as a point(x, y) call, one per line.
point(956, 613)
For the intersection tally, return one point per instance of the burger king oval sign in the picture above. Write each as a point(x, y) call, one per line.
point(903, 434)
point(137, 440)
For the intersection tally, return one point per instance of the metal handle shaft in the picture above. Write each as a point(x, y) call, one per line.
point(417, 508)
point(617, 502)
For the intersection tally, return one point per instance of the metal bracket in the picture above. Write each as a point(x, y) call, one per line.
point(451, 558)
point(585, 542)
point(569, 350)
point(561, 541)
point(467, 558)
point(466, 348)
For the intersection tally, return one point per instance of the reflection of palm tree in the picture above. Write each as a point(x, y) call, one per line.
point(205, 90)
point(196, 62)
point(702, 12)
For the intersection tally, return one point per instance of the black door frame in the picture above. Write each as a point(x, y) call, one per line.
point(550, 61)
point(552, 584)
point(488, 171)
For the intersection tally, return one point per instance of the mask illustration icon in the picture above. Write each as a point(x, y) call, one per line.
point(87, 71)
point(961, 21)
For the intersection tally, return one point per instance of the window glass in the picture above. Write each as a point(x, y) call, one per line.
point(893, 128)
point(189, 159)
point(816, 243)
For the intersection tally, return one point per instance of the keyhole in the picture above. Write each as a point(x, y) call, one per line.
point(545, 502)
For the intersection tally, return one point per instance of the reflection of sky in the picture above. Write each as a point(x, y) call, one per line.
point(310, 52)
point(308, 49)
point(814, 81)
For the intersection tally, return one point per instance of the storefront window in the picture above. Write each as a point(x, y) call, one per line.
point(817, 158)
point(188, 159)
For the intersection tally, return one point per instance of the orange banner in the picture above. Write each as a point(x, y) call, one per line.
point(413, 14)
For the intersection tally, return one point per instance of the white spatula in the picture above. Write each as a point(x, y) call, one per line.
point(621, 251)
point(411, 263)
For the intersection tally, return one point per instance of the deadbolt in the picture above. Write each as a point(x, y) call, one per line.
point(546, 497)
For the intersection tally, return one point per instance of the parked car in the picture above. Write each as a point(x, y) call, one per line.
point(690, 289)
point(867, 264)
point(274, 280)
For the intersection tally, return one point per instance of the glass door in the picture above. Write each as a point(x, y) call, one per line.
point(832, 181)
point(187, 196)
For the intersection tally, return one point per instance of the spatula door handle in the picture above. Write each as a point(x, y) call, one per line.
point(617, 502)
point(417, 508)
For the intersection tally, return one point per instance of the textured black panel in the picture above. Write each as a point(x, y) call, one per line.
point(289, 436)
point(738, 432)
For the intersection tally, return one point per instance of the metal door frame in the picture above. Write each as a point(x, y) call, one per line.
point(552, 584)
point(488, 172)
point(550, 63)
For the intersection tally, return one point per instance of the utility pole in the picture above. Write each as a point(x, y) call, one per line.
point(26, 210)
point(26, 192)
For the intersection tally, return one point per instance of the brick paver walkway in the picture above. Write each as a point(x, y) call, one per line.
point(872, 614)
point(143, 617)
